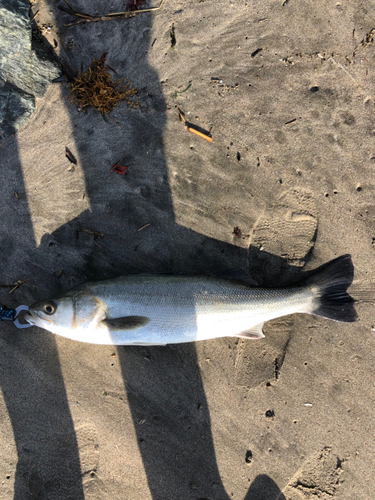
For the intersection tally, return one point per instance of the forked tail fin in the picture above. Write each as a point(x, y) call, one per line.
point(331, 281)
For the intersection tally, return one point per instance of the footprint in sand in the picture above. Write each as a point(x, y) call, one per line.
point(318, 478)
point(88, 445)
point(260, 362)
point(287, 230)
point(42, 483)
point(89, 454)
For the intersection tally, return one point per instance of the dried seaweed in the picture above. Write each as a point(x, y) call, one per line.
point(96, 88)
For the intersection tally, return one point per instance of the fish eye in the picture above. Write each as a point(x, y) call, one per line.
point(49, 308)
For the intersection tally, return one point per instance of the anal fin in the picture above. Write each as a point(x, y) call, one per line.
point(255, 332)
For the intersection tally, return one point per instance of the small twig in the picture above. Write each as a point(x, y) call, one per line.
point(73, 12)
point(68, 4)
point(34, 16)
point(339, 65)
point(88, 231)
point(143, 227)
point(87, 18)
point(290, 121)
point(256, 51)
point(114, 164)
point(181, 115)
point(139, 11)
point(172, 34)
point(190, 127)
point(96, 19)
point(94, 234)
point(70, 156)
point(15, 285)
point(114, 121)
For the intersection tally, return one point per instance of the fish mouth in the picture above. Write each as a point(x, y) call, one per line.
point(34, 319)
point(30, 318)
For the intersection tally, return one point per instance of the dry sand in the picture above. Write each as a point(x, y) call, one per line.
point(291, 164)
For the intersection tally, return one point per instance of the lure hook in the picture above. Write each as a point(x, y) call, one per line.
point(16, 320)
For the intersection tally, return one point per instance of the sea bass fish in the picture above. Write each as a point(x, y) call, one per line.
point(169, 309)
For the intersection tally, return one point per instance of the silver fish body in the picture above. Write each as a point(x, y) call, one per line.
point(165, 309)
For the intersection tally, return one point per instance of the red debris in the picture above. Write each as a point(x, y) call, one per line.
point(119, 169)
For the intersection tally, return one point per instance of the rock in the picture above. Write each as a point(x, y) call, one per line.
point(25, 71)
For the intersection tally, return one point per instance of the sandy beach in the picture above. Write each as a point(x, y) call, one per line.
point(286, 90)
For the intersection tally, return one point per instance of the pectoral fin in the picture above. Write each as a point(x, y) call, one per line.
point(126, 323)
point(256, 332)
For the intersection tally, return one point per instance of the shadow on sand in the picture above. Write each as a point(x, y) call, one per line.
point(163, 385)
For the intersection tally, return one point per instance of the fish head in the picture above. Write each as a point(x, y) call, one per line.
point(54, 315)
point(74, 314)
